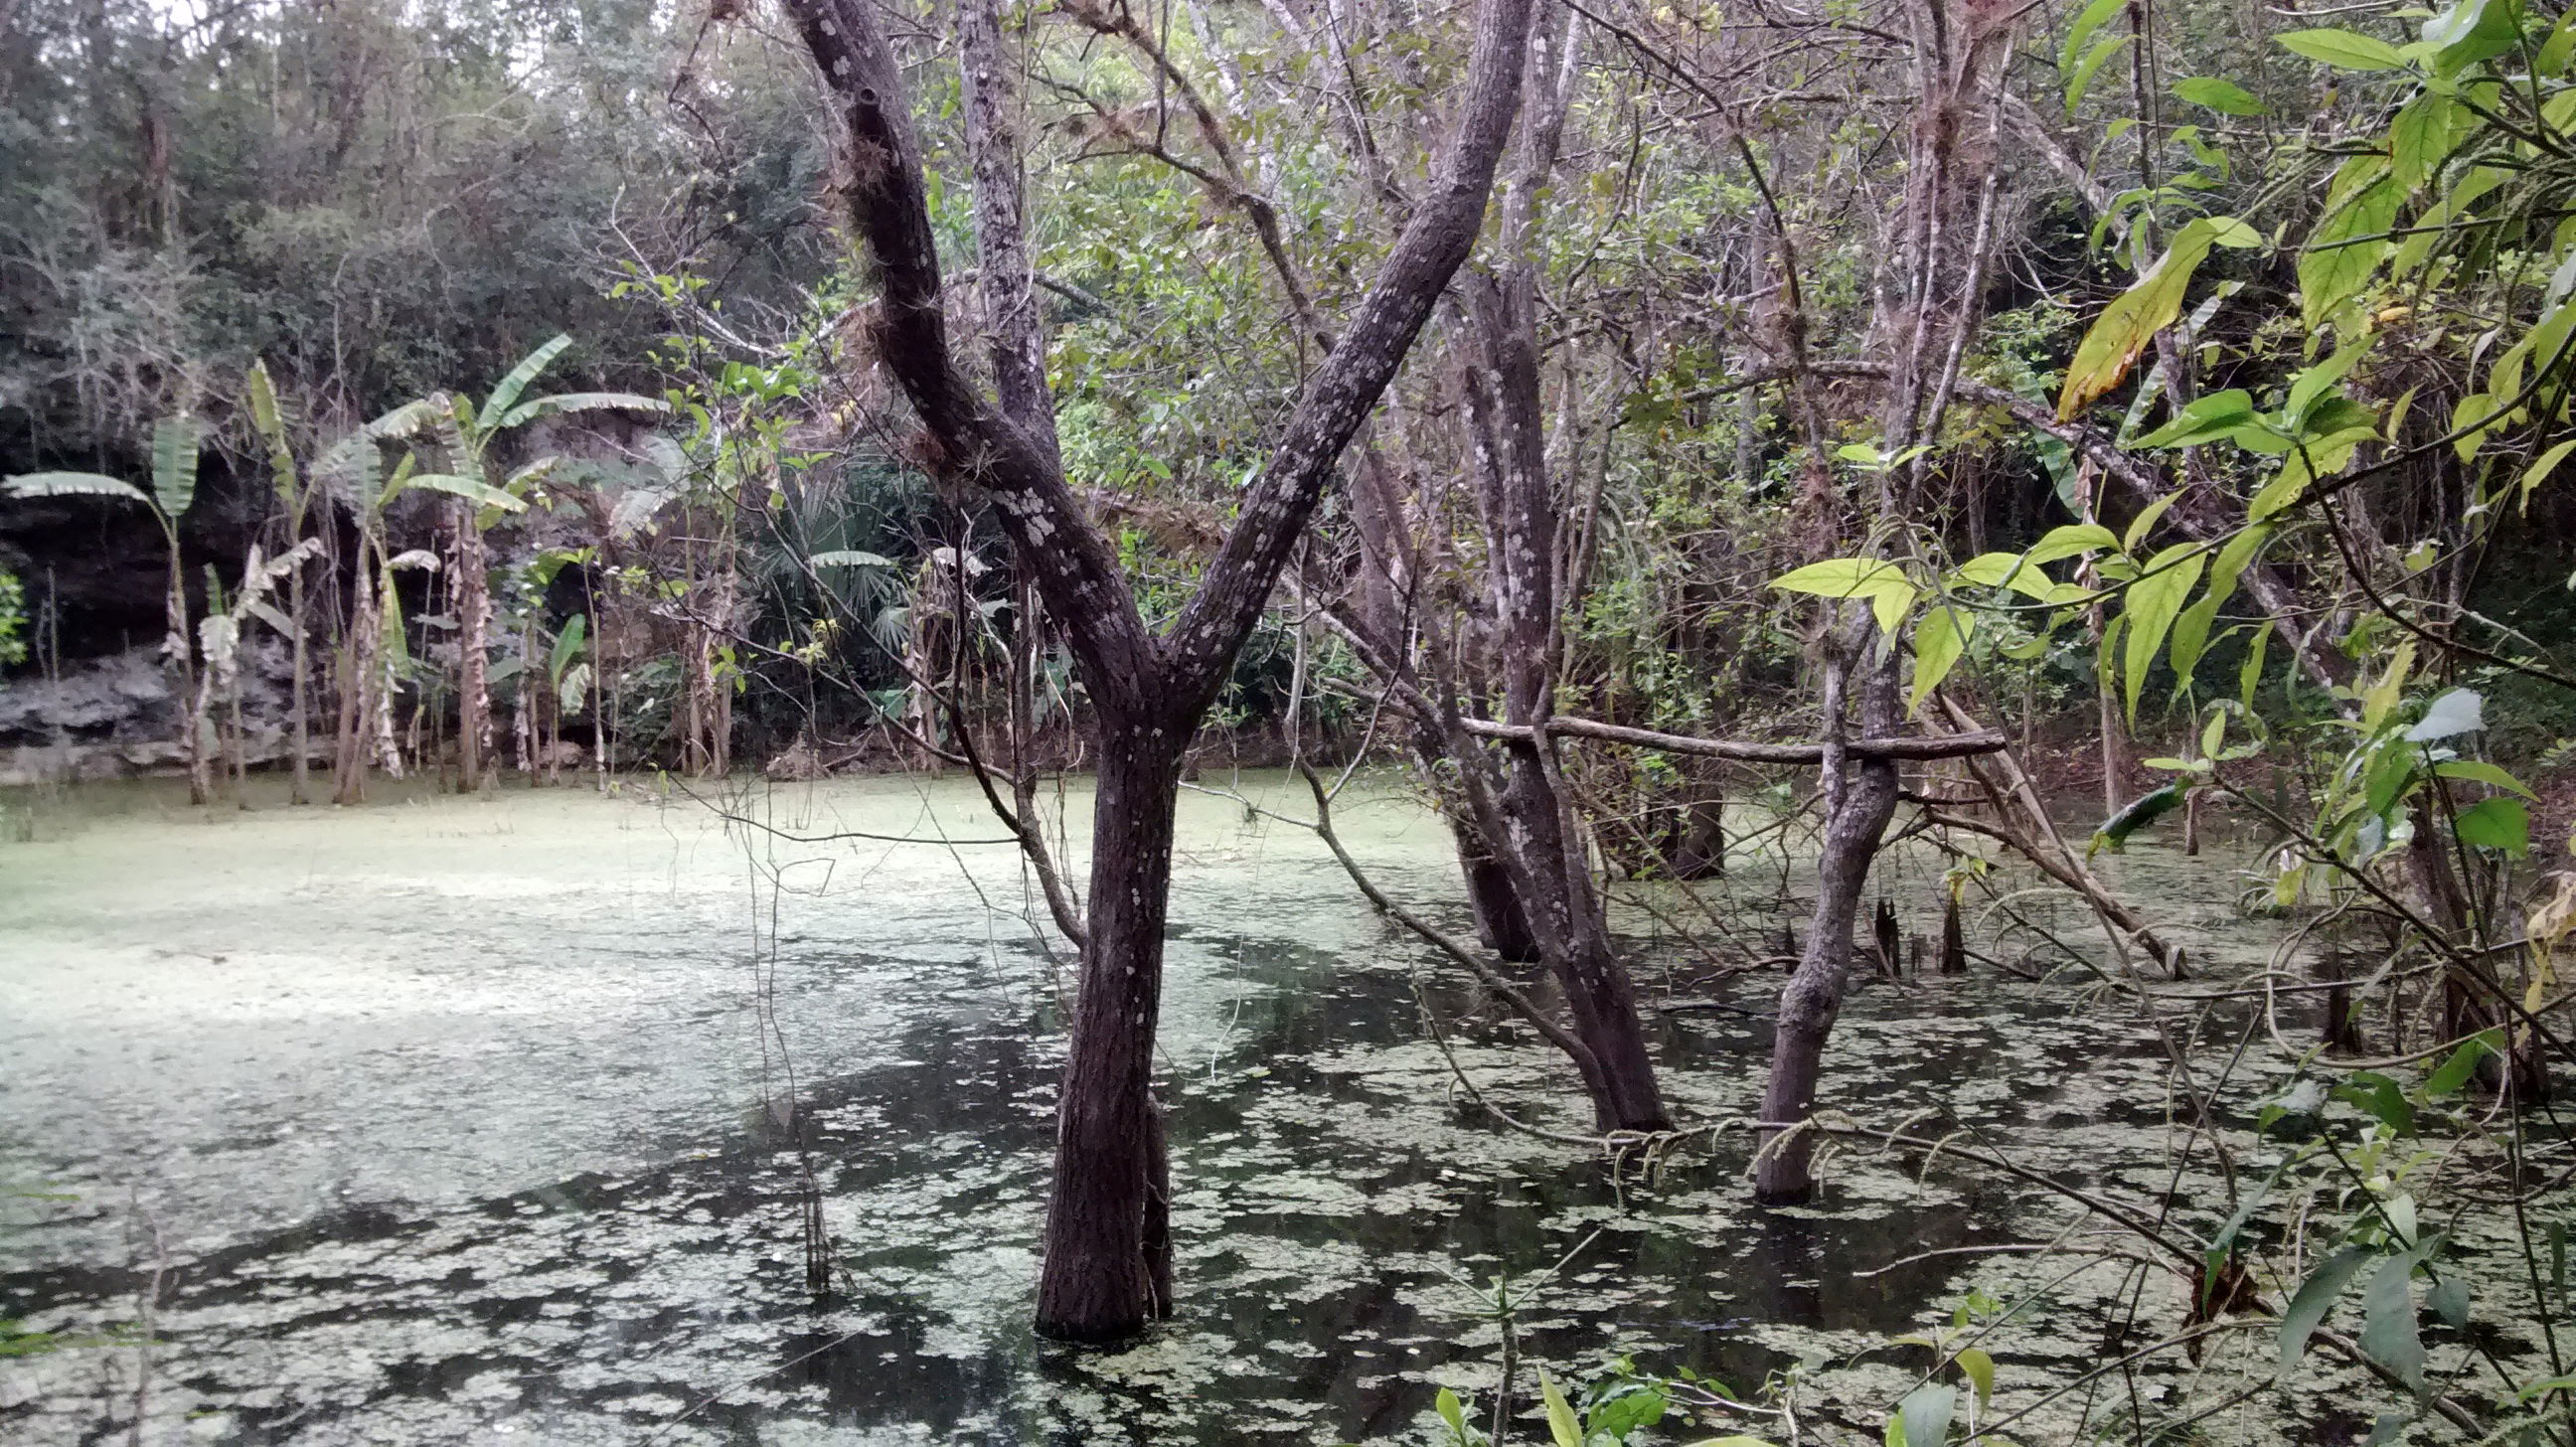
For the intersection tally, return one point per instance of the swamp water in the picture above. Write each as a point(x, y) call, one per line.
point(471, 1121)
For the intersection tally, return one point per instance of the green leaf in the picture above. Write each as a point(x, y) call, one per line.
point(472, 489)
point(1452, 1414)
point(1926, 1413)
point(2122, 333)
point(2471, 31)
point(2250, 677)
point(850, 558)
point(2314, 1298)
point(2462, 1064)
point(2388, 1334)
point(2137, 814)
point(2080, 79)
point(2478, 771)
point(2080, 34)
point(1979, 1368)
point(568, 646)
point(1841, 577)
point(2146, 519)
point(2004, 570)
point(2067, 541)
point(505, 393)
point(176, 441)
point(2153, 603)
point(2498, 823)
point(2343, 49)
point(1561, 1421)
point(2206, 419)
point(2225, 97)
point(74, 484)
point(2547, 463)
point(2345, 250)
point(1938, 641)
point(2460, 711)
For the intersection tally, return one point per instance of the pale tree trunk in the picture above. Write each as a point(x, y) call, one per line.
point(183, 658)
point(1107, 1250)
point(301, 740)
point(473, 590)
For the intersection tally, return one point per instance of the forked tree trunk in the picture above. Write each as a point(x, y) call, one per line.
point(1108, 1262)
point(1107, 1268)
point(1861, 796)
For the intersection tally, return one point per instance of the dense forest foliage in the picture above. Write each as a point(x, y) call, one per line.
point(1654, 430)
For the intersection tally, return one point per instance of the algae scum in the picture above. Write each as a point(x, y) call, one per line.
point(479, 1120)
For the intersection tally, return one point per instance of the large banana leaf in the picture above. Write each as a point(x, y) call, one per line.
point(472, 489)
point(505, 393)
point(269, 416)
point(73, 484)
point(568, 646)
point(563, 403)
point(175, 444)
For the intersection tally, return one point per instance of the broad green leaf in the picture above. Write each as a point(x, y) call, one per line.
point(2478, 771)
point(2471, 31)
point(568, 645)
point(2547, 463)
point(505, 393)
point(2382, 696)
point(2191, 630)
point(2129, 324)
point(2225, 97)
point(2419, 139)
point(1926, 1413)
point(2345, 249)
point(2067, 541)
point(2502, 822)
point(176, 441)
point(2153, 603)
point(1979, 1368)
point(2388, 1334)
point(270, 418)
point(1451, 1413)
point(2145, 521)
point(2343, 49)
point(2207, 419)
point(2137, 814)
point(74, 484)
point(1938, 641)
point(2460, 711)
point(1889, 606)
point(2463, 1063)
point(2314, 383)
point(1841, 577)
point(2314, 1298)
point(1562, 1424)
point(2005, 570)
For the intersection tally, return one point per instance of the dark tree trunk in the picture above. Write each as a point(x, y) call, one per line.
point(1954, 939)
point(1102, 1279)
point(1501, 926)
point(1108, 1241)
point(1861, 796)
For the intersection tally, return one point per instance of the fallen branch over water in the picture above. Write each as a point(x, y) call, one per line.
point(1942, 746)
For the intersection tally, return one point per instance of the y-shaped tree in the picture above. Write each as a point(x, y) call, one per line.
point(1108, 1254)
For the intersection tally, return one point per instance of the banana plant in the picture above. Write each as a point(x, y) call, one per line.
point(460, 437)
point(176, 441)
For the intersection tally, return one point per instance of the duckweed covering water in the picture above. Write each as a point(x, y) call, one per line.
point(494, 1119)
